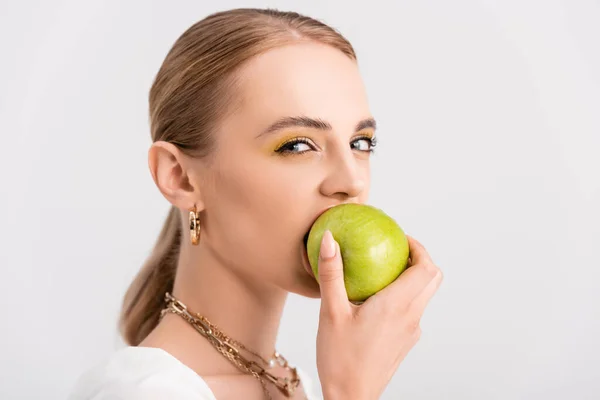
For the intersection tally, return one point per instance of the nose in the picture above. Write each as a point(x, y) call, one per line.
point(345, 179)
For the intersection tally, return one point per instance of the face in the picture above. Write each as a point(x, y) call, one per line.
point(299, 143)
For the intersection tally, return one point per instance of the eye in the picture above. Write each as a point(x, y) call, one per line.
point(365, 143)
point(296, 146)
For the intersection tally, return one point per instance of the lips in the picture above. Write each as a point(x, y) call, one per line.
point(305, 238)
point(314, 219)
point(306, 262)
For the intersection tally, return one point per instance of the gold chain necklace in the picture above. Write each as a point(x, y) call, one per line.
point(230, 348)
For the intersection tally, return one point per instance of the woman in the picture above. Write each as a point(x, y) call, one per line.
point(259, 122)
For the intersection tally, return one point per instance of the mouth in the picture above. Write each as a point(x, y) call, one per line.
point(305, 261)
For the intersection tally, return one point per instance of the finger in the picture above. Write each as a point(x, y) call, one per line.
point(417, 252)
point(410, 283)
point(334, 297)
point(422, 299)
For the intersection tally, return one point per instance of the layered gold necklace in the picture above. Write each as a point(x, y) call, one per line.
point(231, 349)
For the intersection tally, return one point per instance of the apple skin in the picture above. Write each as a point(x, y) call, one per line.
point(373, 246)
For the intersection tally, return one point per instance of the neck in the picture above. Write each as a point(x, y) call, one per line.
point(242, 307)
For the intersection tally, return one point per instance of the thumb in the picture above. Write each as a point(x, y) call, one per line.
point(334, 297)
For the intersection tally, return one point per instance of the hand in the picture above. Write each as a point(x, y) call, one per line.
point(359, 348)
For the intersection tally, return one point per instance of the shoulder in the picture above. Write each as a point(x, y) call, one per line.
point(140, 373)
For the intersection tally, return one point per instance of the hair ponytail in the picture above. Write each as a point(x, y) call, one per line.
point(144, 298)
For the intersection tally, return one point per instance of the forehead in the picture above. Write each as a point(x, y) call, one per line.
point(308, 79)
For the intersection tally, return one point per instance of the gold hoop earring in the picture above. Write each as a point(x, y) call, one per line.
point(195, 226)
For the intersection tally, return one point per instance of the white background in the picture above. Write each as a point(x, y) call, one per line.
point(489, 117)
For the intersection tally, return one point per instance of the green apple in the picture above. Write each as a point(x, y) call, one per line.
point(374, 248)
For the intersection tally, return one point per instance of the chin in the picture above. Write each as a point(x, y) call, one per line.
point(302, 281)
point(305, 286)
point(311, 294)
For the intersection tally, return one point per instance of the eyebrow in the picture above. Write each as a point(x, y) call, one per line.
point(313, 123)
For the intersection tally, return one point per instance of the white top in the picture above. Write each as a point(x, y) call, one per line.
point(136, 373)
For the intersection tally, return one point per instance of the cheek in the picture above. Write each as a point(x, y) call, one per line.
point(259, 212)
point(364, 195)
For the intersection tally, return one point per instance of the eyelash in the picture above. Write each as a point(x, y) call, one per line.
point(282, 149)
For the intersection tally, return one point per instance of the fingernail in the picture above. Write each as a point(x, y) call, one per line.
point(327, 246)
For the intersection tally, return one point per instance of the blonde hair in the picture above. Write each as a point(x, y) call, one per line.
point(191, 93)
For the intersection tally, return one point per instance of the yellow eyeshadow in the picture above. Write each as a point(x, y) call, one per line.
point(286, 139)
point(366, 133)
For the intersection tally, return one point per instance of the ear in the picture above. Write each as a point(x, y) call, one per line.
point(171, 171)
